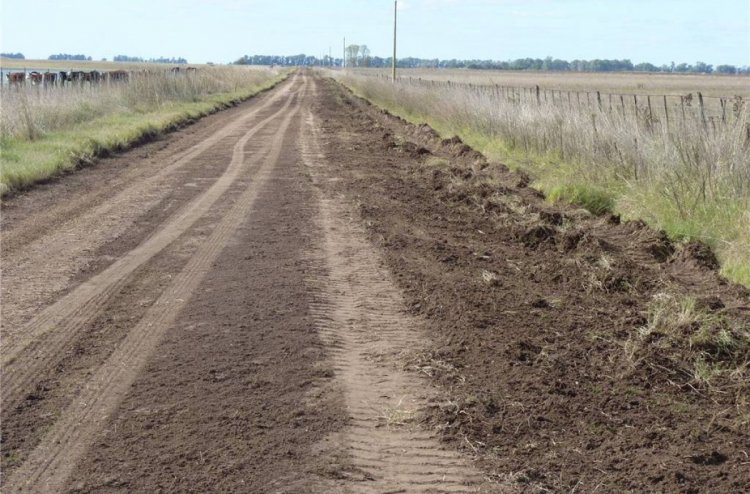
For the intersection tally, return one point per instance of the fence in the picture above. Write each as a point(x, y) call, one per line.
point(650, 110)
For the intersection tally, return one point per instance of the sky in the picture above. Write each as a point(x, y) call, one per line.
point(656, 31)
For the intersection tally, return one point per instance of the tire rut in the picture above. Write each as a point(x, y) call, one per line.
point(362, 319)
point(74, 230)
point(50, 464)
point(50, 334)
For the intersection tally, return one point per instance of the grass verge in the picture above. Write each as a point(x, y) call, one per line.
point(24, 161)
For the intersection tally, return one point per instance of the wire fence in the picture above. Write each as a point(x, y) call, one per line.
point(650, 110)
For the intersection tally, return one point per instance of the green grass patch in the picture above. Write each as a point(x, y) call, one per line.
point(25, 162)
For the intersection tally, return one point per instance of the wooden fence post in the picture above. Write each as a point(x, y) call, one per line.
point(682, 106)
point(666, 112)
point(650, 112)
point(703, 112)
point(538, 98)
point(723, 110)
point(622, 104)
point(599, 100)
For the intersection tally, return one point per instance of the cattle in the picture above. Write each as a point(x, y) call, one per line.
point(16, 78)
point(35, 78)
point(75, 76)
point(118, 76)
point(94, 77)
point(62, 76)
point(50, 78)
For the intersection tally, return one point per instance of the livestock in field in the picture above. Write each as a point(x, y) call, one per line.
point(35, 77)
point(16, 78)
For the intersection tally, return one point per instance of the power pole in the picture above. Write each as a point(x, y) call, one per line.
point(393, 63)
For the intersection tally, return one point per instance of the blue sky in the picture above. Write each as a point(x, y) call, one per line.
point(657, 31)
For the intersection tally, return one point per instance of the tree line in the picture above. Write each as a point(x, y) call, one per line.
point(359, 56)
point(126, 58)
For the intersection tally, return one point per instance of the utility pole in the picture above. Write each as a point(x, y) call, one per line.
point(393, 63)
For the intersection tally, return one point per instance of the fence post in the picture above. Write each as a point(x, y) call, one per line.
point(682, 106)
point(723, 110)
point(650, 112)
point(703, 112)
point(666, 112)
point(538, 99)
point(599, 100)
point(622, 104)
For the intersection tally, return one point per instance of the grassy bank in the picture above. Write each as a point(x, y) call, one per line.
point(693, 183)
point(45, 132)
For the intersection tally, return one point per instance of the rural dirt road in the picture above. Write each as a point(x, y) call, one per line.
point(306, 294)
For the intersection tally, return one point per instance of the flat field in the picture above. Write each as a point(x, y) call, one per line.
point(636, 83)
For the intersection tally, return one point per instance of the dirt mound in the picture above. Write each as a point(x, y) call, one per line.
point(697, 254)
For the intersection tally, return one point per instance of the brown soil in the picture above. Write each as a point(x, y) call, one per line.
point(306, 294)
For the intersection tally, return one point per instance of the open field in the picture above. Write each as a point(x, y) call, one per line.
point(45, 130)
point(640, 83)
point(306, 294)
point(686, 172)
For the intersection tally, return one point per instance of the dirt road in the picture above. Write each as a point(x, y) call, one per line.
point(299, 295)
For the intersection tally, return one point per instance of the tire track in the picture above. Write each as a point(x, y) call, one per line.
point(51, 463)
point(70, 238)
point(19, 237)
point(46, 337)
point(362, 320)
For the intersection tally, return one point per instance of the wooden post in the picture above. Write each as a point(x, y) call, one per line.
point(650, 112)
point(723, 110)
point(622, 104)
point(599, 100)
point(666, 112)
point(610, 102)
point(570, 104)
point(578, 97)
point(538, 98)
point(682, 105)
point(703, 112)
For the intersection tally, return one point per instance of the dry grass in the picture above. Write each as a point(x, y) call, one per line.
point(45, 130)
point(690, 180)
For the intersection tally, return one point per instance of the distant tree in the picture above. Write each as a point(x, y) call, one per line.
point(726, 69)
point(66, 56)
point(645, 67)
point(18, 56)
point(364, 54)
point(702, 68)
point(352, 54)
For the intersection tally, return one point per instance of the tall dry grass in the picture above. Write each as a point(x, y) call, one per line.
point(46, 130)
point(29, 112)
point(689, 179)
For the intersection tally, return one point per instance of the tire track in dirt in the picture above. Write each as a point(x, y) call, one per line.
point(17, 238)
point(362, 320)
point(51, 463)
point(64, 250)
point(46, 337)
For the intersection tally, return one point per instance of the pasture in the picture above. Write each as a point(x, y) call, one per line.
point(45, 129)
point(681, 167)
